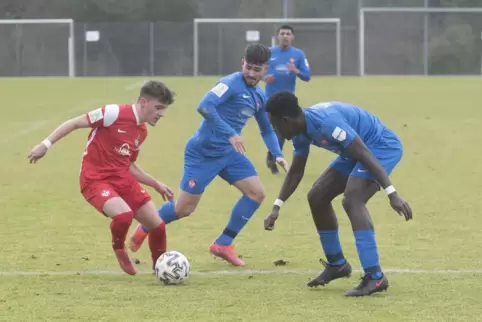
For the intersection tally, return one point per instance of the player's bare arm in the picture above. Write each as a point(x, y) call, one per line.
point(63, 130)
point(290, 184)
point(148, 180)
point(359, 151)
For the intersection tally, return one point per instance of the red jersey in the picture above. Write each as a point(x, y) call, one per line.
point(113, 143)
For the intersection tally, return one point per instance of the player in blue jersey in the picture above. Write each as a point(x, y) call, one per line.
point(217, 149)
point(368, 152)
point(285, 65)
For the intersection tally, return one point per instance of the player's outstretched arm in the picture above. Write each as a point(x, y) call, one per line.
point(148, 180)
point(64, 129)
point(359, 151)
point(270, 139)
point(291, 182)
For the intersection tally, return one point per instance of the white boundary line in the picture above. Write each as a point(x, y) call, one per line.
point(243, 272)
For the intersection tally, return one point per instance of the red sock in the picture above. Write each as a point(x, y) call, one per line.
point(119, 227)
point(157, 242)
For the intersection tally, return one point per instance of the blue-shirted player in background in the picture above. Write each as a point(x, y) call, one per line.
point(368, 152)
point(285, 65)
point(217, 149)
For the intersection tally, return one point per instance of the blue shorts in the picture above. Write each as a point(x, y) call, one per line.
point(200, 169)
point(388, 151)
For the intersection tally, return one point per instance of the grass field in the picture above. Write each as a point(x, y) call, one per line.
point(433, 263)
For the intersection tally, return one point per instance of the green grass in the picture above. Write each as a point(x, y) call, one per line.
point(47, 226)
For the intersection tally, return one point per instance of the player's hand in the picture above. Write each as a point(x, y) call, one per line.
point(283, 163)
point(400, 206)
point(270, 220)
point(37, 153)
point(238, 144)
point(268, 79)
point(292, 68)
point(164, 191)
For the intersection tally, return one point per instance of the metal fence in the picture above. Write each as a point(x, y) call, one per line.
point(163, 48)
point(393, 43)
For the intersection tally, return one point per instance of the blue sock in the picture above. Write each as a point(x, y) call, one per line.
point(332, 247)
point(167, 212)
point(367, 252)
point(241, 214)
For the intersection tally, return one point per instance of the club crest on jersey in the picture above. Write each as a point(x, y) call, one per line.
point(124, 150)
point(292, 60)
point(323, 140)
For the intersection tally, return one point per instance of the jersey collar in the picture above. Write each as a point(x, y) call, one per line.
point(134, 109)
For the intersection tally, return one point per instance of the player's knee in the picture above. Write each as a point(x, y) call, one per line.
point(318, 196)
point(257, 194)
point(313, 197)
point(352, 201)
point(184, 210)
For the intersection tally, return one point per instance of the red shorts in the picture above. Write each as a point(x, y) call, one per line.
point(98, 192)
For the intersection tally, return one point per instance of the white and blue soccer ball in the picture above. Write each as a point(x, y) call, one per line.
point(172, 268)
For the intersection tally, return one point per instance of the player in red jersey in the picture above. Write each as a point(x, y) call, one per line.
point(110, 178)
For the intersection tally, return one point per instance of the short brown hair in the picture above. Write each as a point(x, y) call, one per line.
point(158, 90)
point(257, 54)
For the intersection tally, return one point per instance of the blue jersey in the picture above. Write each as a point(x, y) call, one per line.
point(334, 125)
point(226, 108)
point(284, 80)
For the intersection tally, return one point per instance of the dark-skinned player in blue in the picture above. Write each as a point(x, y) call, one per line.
point(217, 149)
point(286, 65)
point(368, 152)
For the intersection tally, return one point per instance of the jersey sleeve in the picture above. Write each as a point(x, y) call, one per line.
point(218, 95)
point(304, 67)
point(104, 116)
point(301, 146)
point(336, 130)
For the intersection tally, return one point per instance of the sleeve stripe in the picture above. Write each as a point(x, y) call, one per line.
point(111, 114)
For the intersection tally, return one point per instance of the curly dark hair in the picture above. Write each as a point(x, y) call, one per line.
point(283, 104)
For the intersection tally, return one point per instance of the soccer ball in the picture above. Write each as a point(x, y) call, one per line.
point(172, 268)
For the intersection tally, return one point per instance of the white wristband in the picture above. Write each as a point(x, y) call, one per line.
point(279, 202)
point(390, 189)
point(47, 143)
